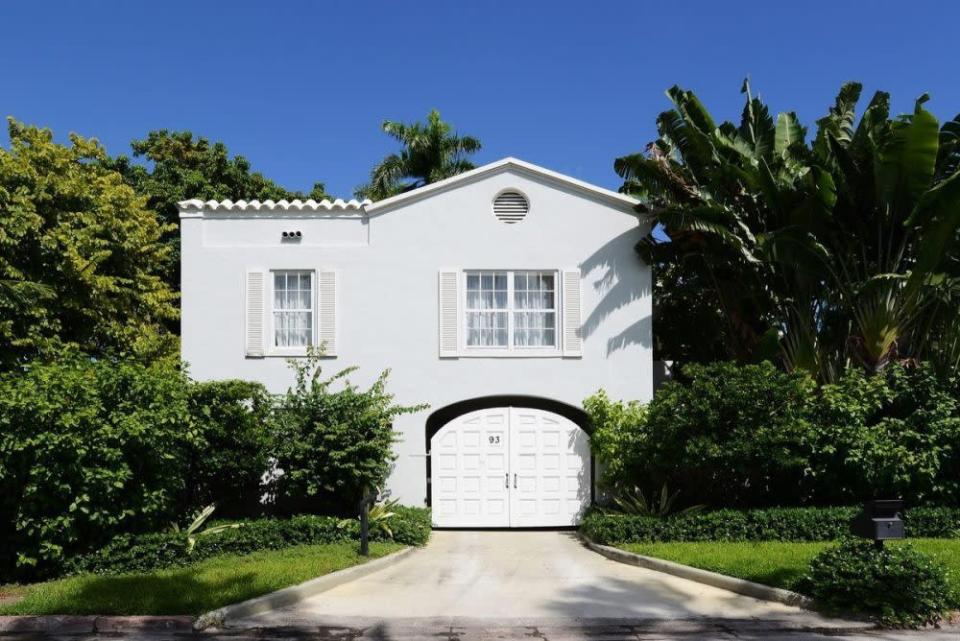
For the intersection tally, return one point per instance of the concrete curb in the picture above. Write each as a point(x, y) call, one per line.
point(76, 625)
point(296, 593)
point(722, 581)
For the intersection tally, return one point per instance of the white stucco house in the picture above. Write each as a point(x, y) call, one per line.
point(502, 297)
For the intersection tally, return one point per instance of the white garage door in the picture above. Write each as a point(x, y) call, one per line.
point(510, 467)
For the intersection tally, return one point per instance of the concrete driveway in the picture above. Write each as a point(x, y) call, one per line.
point(523, 577)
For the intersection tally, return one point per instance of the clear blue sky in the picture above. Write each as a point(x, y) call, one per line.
point(300, 88)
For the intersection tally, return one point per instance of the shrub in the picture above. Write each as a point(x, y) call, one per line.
point(147, 552)
point(332, 444)
point(230, 454)
point(896, 434)
point(898, 585)
point(618, 438)
point(722, 434)
point(754, 436)
point(775, 524)
point(411, 525)
point(88, 449)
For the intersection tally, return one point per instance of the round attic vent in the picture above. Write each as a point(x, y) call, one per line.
point(510, 207)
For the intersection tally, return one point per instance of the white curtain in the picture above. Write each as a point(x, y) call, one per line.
point(292, 309)
point(534, 318)
point(487, 309)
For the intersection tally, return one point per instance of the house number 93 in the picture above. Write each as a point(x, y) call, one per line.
point(494, 440)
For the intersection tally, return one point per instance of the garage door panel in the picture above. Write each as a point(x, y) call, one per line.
point(552, 452)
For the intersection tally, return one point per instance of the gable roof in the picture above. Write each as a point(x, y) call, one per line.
point(612, 198)
point(196, 207)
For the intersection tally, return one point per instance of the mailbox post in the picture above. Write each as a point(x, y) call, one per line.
point(365, 503)
point(879, 521)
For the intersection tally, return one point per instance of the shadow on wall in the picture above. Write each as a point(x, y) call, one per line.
point(621, 282)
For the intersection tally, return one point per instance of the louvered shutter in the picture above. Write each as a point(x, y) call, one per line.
point(449, 299)
point(254, 326)
point(572, 337)
point(327, 312)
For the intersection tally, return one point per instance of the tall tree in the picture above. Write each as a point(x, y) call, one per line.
point(81, 256)
point(827, 252)
point(182, 166)
point(431, 152)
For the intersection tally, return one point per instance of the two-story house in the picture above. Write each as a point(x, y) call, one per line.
point(502, 297)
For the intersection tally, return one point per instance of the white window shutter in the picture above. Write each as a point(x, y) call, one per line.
point(449, 300)
point(327, 312)
point(572, 337)
point(255, 326)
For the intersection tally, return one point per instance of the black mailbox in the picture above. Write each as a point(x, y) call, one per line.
point(880, 521)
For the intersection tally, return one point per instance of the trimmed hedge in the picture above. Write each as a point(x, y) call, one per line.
point(775, 524)
point(148, 552)
point(899, 586)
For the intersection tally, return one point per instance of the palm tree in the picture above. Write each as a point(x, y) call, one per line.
point(430, 153)
point(824, 254)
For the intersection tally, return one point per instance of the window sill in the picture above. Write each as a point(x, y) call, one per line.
point(286, 353)
point(512, 353)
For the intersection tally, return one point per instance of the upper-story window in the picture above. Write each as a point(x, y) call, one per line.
point(292, 309)
point(511, 309)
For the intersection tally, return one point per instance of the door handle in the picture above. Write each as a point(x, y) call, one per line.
point(507, 481)
point(514, 480)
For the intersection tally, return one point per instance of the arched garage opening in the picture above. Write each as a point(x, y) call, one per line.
point(509, 461)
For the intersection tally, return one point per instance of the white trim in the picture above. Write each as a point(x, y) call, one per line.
point(614, 199)
point(196, 208)
point(269, 348)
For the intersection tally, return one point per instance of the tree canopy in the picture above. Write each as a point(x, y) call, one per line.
point(182, 166)
point(81, 255)
point(431, 152)
point(825, 252)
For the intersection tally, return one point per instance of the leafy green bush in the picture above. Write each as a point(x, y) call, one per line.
point(146, 552)
point(754, 436)
point(411, 525)
point(775, 524)
point(332, 444)
point(896, 434)
point(898, 585)
point(230, 454)
point(619, 438)
point(88, 449)
point(722, 435)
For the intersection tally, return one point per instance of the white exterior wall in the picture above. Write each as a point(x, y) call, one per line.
point(387, 268)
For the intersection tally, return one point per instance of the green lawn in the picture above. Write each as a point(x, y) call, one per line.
point(195, 589)
point(772, 562)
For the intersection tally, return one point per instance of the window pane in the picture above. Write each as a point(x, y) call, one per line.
point(547, 281)
point(501, 281)
point(473, 300)
point(292, 309)
point(473, 282)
